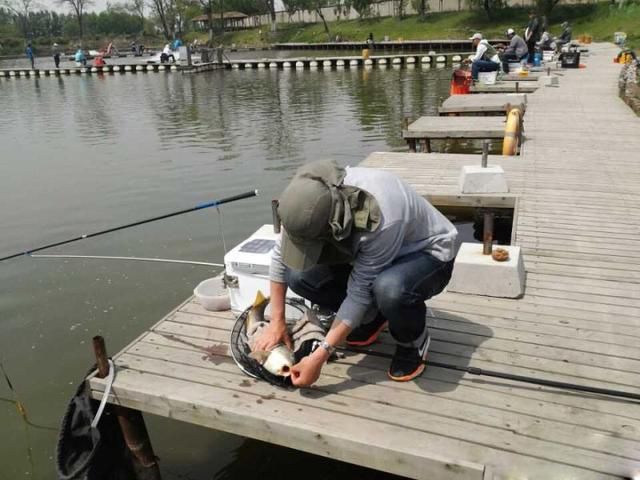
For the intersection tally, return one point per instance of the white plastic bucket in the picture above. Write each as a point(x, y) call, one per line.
point(547, 55)
point(488, 78)
point(212, 295)
point(514, 67)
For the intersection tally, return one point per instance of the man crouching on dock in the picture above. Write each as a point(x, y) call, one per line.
point(364, 244)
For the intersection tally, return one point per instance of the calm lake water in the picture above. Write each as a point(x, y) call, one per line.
point(83, 153)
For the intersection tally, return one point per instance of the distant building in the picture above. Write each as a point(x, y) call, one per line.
point(232, 21)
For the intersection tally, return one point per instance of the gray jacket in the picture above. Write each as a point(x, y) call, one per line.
point(409, 224)
point(517, 46)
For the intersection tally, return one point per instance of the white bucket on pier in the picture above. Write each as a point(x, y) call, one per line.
point(382, 61)
point(326, 63)
point(410, 60)
point(273, 65)
point(456, 58)
point(397, 61)
point(299, 64)
point(174, 68)
point(139, 68)
point(441, 59)
point(127, 68)
point(313, 64)
point(340, 63)
point(353, 63)
point(235, 66)
point(286, 65)
point(426, 59)
point(23, 73)
point(94, 69)
point(262, 65)
point(248, 66)
point(368, 62)
point(488, 78)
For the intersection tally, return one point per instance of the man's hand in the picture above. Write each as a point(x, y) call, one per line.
point(307, 371)
point(273, 334)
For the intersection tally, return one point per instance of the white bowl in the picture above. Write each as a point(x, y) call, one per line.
point(211, 295)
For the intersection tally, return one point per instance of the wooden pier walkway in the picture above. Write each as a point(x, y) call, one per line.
point(505, 87)
point(482, 104)
point(429, 128)
point(579, 321)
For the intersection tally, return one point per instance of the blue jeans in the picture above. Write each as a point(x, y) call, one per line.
point(399, 291)
point(483, 66)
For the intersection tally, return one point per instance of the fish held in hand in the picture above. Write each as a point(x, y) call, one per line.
point(277, 361)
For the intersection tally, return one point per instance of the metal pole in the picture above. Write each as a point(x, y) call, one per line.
point(485, 153)
point(487, 234)
point(131, 423)
point(276, 217)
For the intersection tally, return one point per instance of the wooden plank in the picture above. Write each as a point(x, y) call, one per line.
point(414, 425)
point(456, 127)
point(482, 103)
point(505, 87)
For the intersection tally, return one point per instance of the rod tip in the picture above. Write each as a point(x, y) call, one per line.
point(256, 192)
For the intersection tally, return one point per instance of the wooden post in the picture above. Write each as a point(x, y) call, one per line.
point(487, 234)
point(131, 423)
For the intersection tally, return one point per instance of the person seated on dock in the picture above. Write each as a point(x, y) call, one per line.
point(485, 59)
point(99, 61)
point(362, 243)
point(516, 51)
point(167, 55)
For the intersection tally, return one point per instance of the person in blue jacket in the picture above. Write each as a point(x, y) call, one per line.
point(80, 58)
point(30, 55)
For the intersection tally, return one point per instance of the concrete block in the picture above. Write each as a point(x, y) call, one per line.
point(475, 179)
point(480, 274)
point(548, 81)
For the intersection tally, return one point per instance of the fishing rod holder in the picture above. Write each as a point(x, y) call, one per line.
point(487, 233)
point(485, 154)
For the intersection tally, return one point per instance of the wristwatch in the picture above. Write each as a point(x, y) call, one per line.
point(328, 347)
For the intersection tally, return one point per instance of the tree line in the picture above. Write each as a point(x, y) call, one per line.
point(172, 18)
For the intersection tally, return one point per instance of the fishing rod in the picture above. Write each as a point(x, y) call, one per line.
point(509, 376)
point(202, 206)
point(139, 259)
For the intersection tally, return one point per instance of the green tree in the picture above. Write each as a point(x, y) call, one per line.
point(78, 7)
point(489, 6)
point(21, 9)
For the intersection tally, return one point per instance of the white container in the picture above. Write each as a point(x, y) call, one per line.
point(247, 265)
point(211, 295)
point(488, 78)
point(514, 67)
point(547, 55)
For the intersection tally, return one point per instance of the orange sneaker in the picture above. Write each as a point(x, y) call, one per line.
point(408, 362)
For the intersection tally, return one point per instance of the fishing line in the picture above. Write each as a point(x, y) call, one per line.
point(22, 411)
point(221, 229)
point(139, 259)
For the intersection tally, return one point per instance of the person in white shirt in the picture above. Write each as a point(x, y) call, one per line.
point(485, 59)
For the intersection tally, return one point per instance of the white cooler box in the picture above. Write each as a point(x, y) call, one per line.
point(247, 268)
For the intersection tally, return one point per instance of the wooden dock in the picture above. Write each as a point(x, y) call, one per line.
point(505, 87)
point(482, 104)
point(577, 222)
point(429, 128)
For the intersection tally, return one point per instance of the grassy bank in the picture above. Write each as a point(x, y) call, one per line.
point(598, 20)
